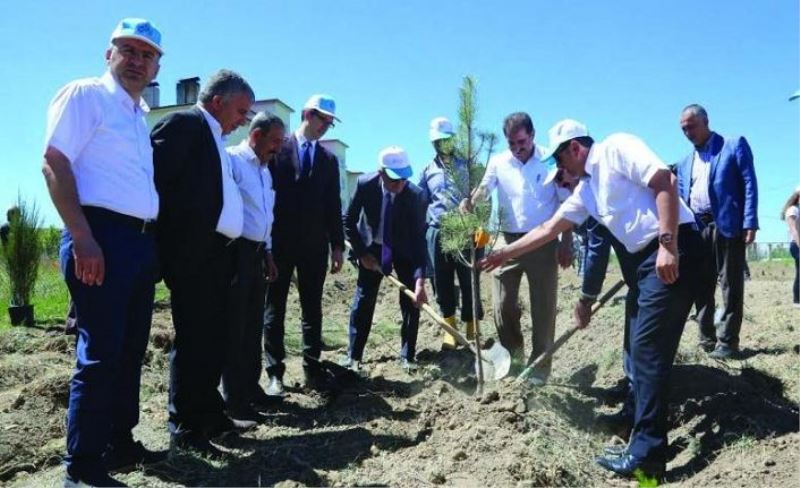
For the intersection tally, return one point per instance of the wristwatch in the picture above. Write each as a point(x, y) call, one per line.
point(665, 239)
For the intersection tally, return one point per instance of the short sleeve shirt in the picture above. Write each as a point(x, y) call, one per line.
point(615, 191)
point(102, 132)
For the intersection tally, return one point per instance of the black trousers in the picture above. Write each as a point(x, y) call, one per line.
point(198, 296)
point(245, 312)
point(312, 267)
point(724, 260)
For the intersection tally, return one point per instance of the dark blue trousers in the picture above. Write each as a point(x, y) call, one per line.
point(445, 270)
point(795, 252)
point(657, 314)
point(363, 309)
point(113, 325)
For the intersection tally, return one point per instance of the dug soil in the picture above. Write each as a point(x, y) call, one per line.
point(732, 423)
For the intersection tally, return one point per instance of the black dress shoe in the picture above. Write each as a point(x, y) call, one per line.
point(194, 442)
point(263, 402)
point(99, 479)
point(631, 466)
point(225, 425)
point(321, 382)
point(129, 455)
point(243, 414)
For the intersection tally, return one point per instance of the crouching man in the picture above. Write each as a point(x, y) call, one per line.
point(631, 192)
point(385, 224)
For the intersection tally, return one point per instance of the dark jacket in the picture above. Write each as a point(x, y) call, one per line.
point(188, 177)
point(308, 213)
point(732, 186)
point(408, 221)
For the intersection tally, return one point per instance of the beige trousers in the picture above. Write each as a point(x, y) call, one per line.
point(541, 269)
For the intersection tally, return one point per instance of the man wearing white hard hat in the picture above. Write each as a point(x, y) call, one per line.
point(385, 224)
point(631, 192)
point(445, 182)
point(307, 229)
point(525, 200)
point(98, 165)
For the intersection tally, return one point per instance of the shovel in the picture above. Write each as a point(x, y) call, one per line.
point(496, 359)
point(566, 335)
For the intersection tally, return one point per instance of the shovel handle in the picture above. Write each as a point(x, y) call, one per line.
point(435, 316)
point(566, 335)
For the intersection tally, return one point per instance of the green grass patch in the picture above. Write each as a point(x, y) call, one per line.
point(51, 297)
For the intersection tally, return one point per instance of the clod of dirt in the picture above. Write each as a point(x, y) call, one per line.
point(438, 478)
point(520, 407)
point(490, 397)
point(459, 455)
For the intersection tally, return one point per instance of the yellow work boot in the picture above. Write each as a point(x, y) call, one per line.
point(449, 341)
point(471, 330)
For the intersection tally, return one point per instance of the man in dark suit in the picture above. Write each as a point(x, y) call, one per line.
point(307, 227)
point(718, 181)
point(200, 216)
point(385, 223)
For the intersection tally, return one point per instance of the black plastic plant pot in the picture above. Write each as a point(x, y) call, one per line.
point(21, 315)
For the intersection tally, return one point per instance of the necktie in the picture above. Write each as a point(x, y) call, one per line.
point(305, 169)
point(386, 247)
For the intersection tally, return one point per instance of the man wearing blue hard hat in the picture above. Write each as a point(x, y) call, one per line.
point(385, 224)
point(98, 165)
point(306, 231)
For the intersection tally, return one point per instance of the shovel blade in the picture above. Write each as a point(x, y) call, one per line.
point(496, 362)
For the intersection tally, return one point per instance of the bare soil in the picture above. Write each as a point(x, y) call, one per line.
point(733, 423)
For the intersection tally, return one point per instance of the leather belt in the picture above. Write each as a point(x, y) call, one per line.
point(140, 225)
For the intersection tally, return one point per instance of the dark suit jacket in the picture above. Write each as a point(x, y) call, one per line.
point(188, 177)
point(408, 221)
point(308, 214)
point(732, 186)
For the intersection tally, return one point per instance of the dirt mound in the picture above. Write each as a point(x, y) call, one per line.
point(731, 423)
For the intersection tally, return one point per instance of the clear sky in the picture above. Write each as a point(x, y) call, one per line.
point(622, 65)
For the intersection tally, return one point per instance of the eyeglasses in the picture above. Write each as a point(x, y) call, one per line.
point(326, 119)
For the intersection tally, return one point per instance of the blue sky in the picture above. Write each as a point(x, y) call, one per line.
point(392, 66)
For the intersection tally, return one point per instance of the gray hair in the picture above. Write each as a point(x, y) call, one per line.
point(696, 110)
point(265, 121)
point(225, 83)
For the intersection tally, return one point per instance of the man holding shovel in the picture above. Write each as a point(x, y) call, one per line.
point(385, 224)
point(631, 192)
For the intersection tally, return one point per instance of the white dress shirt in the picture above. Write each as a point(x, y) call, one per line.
point(523, 199)
point(616, 194)
point(699, 201)
point(103, 134)
point(255, 186)
point(301, 141)
point(231, 218)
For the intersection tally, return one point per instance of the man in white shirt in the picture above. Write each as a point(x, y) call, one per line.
point(98, 165)
point(254, 267)
point(631, 192)
point(525, 200)
point(201, 215)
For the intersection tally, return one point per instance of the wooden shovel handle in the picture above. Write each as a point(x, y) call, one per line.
point(566, 335)
point(435, 316)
